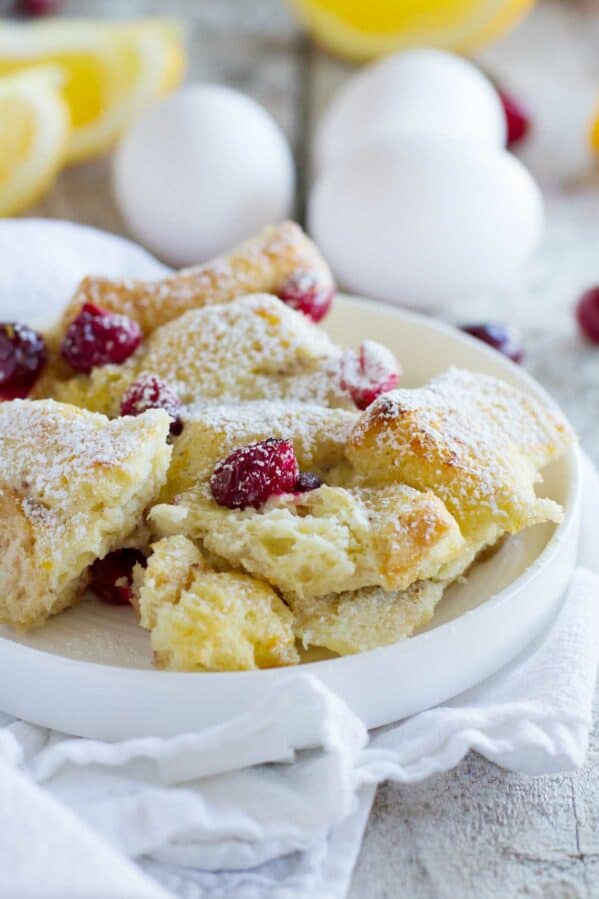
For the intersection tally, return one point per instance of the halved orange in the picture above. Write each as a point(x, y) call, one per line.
point(359, 31)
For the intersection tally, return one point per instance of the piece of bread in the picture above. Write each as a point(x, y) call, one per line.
point(211, 432)
point(473, 440)
point(205, 620)
point(73, 486)
point(361, 620)
point(253, 348)
point(169, 571)
point(260, 265)
point(327, 540)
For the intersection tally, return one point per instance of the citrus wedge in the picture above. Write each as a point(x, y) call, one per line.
point(34, 131)
point(362, 31)
point(111, 71)
point(594, 133)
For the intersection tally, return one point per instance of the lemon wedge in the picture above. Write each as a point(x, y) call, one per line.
point(111, 71)
point(34, 132)
point(362, 31)
point(594, 133)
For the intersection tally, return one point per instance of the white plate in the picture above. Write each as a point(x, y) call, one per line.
point(88, 672)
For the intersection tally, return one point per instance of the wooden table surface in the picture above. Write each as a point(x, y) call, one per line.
point(478, 831)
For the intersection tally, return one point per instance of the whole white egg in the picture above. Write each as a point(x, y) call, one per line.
point(200, 171)
point(411, 91)
point(416, 219)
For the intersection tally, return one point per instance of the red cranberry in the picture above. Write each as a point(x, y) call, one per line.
point(98, 337)
point(150, 392)
point(307, 481)
point(368, 373)
point(37, 7)
point(254, 473)
point(112, 576)
point(516, 117)
point(587, 313)
point(503, 338)
point(22, 356)
point(308, 292)
point(13, 393)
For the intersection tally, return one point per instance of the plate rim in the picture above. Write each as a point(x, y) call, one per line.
point(561, 533)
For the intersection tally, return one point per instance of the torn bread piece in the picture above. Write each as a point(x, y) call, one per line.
point(473, 440)
point(206, 620)
point(326, 540)
point(365, 619)
point(254, 348)
point(73, 487)
point(260, 265)
point(211, 432)
point(169, 571)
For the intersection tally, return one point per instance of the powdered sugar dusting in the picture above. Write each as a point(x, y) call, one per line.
point(368, 373)
point(309, 292)
point(313, 429)
point(260, 264)
point(462, 409)
point(489, 436)
point(46, 446)
point(253, 348)
point(150, 392)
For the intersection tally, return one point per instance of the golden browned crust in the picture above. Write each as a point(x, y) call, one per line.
point(26, 598)
point(473, 440)
point(73, 486)
point(260, 265)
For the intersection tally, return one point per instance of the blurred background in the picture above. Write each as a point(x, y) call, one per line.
point(547, 56)
point(451, 223)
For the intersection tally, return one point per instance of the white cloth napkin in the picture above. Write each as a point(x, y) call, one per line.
point(203, 824)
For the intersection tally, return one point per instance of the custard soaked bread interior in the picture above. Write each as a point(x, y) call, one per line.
point(327, 540)
point(204, 619)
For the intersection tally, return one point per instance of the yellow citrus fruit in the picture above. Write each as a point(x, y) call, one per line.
point(360, 30)
point(594, 133)
point(111, 71)
point(34, 131)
